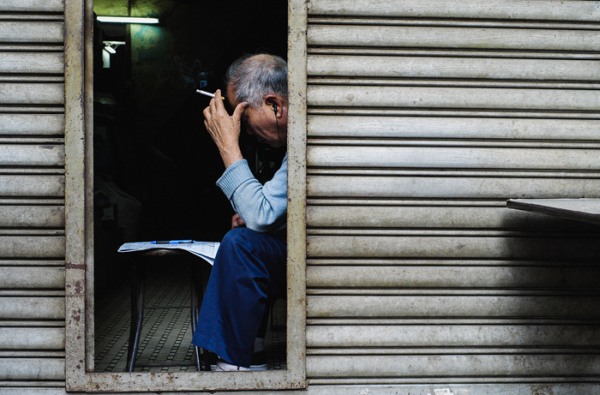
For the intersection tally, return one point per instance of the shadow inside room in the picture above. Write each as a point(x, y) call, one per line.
point(155, 166)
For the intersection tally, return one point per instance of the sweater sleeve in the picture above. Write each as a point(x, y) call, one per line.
point(262, 207)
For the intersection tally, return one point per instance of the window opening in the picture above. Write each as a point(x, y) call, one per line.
point(154, 173)
point(155, 166)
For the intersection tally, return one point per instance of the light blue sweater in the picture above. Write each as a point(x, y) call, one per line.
point(262, 207)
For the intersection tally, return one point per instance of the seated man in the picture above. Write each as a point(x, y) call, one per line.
point(249, 268)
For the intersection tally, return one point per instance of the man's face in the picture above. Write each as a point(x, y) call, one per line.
point(261, 122)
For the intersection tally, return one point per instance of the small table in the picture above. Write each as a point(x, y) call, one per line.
point(585, 209)
point(137, 299)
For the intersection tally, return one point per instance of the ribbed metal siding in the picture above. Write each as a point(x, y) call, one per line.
point(423, 118)
point(32, 245)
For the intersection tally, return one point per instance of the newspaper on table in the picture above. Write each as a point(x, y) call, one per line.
point(206, 250)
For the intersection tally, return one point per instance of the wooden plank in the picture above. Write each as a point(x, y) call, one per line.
point(31, 124)
point(47, 155)
point(31, 32)
point(32, 277)
point(462, 365)
point(32, 307)
point(453, 306)
point(587, 210)
point(32, 185)
point(20, 216)
point(451, 127)
point(32, 93)
point(392, 156)
point(22, 246)
point(507, 9)
point(427, 216)
point(509, 335)
point(20, 339)
point(447, 67)
point(452, 246)
point(453, 37)
point(453, 98)
point(31, 369)
point(483, 186)
point(32, 62)
point(460, 277)
point(32, 5)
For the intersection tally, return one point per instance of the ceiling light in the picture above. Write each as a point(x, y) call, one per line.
point(128, 19)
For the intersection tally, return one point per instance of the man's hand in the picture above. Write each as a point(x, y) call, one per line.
point(237, 221)
point(224, 128)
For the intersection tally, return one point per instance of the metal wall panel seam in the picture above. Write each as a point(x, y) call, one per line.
point(32, 307)
point(32, 262)
point(450, 53)
point(32, 369)
point(447, 263)
point(508, 9)
point(36, 338)
point(32, 62)
point(18, 17)
point(452, 67)
point(458, 366)
point(402, 82)
point(461, 23)
point(453, 37)
point(347, 336)
point(484, 114)
point(452, 172)
point(16, 124)
point(32, 5)
point(457, 276)
point(32, 277)
point(31, 32)
point(434, 350)
point(320, 142)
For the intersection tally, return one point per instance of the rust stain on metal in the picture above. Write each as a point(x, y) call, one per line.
point(76, 315)
point(80, 266)
point(78, 287)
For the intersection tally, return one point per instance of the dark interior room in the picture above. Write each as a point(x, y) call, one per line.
point(155, 166)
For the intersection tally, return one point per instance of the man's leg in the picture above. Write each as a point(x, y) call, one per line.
point(249, 268)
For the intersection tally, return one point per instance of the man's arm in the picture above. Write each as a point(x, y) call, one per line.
point(262, 207)
point(224, 129)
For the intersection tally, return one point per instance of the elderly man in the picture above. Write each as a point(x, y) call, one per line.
point(249, 268)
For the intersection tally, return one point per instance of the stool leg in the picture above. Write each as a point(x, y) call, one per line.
point(137, 317)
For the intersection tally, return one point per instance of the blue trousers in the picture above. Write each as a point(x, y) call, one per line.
point(249, 269)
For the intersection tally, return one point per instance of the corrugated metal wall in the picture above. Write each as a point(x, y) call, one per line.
point(32, 244)
point(423, 118)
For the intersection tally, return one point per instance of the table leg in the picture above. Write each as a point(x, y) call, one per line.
point(137, 317)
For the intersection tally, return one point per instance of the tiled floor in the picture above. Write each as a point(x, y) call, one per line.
point(165, 344)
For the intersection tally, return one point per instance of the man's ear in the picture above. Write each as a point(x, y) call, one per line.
point(273, 102)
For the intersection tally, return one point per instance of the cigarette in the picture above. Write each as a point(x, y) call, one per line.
point(205, 93)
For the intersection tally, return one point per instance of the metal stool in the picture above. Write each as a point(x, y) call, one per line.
point(137, 301)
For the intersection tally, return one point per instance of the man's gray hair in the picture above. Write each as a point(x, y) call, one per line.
point(254, 76)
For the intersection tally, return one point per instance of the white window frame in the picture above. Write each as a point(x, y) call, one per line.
point(79, 227)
